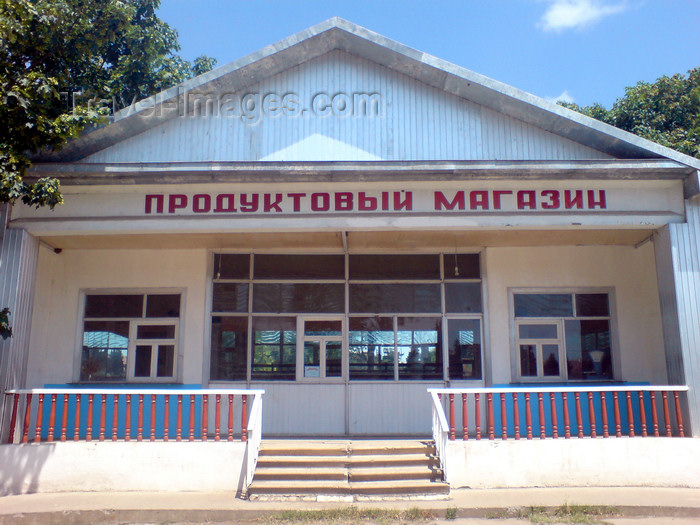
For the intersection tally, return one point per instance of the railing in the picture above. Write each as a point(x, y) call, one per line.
point(558, 411)
point(82, 414)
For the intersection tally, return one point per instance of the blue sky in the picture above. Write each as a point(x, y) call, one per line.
point(582, 50)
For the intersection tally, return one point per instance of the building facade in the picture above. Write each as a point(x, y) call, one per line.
point(345, 222)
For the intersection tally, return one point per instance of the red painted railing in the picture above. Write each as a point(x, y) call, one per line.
point(568, 411)
point(83, 414)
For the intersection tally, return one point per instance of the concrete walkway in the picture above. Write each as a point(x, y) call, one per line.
point(636, 505)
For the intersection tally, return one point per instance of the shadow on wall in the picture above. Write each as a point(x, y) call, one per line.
point(21, 466)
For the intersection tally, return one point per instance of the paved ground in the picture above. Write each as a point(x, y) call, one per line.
point(636, 505)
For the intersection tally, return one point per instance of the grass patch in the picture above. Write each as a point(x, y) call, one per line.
point(350, 515)
point(567, 514)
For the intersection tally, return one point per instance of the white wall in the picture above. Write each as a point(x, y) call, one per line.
point(611, 462)
point(630, 271)
point(90, 467)
point(54, 353)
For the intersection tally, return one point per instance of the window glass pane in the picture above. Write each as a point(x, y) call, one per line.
point(418, 347)
point(320, 267)
point(163, 305)
point(537, 331)
point(371, 348)
point(155, 331)
point(333, 358)
point(229, 348)
point(588, 350)
point(166, 361)
point(312, 359)
point(123, 306)
point(142, 363)
point(298, 298)
point(395, 298)
point(463, 298)
point(231, 266)
point(105, 345)
point(528, 361)
point(550, 360)
point(592, 305)
point(408, 267)
point(274, 348)
point(543, 305)
point(230, 297)
point(323, 328)
point(464, 339)
point(461, 266)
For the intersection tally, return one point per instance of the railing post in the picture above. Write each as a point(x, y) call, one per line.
point(667, 414)
point(528, 416)
point(13, 419)
point(191, 429)
point(103, 416)
point(679, 415)
point(654, 414)
point(217, 419)
point(244, 418)
point(642, 413)
point(540, 413)
point(64, 418)
point(76, 422)
point(205, 415)
point(52, 418)
point(27, 418)
point(127, 419)
point(630, 414)
point(39, 417)
point(139, 420)
point(504, 419)
point(553, 409)
point(166, 417)
point(465, 419)
point(516, 416)
point(452, 417)
point(115, 417)
point(489, 414)
point(153, 417)
point(88, 435)
point(591, 415)
point(230, 417)
point(178, 430)
point(616, 415)
point(604, 415)
point(477, 416)
point(567, 420)
point(579, 417)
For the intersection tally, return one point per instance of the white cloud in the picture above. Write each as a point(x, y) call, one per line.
point(571, 14)
point(564, 97)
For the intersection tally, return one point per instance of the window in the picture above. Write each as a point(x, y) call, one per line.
point(130, 337)
point(563, 336)
point(394, 312)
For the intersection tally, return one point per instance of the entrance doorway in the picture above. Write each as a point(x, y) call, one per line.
point(320, 353)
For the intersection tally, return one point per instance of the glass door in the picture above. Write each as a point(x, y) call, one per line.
point(320, 349)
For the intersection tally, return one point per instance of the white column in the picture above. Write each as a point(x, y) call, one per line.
point(678, 269)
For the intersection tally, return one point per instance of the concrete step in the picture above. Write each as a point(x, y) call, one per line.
point(315, 462)
point(292, 488)
point(301, 474)
point(394, 473)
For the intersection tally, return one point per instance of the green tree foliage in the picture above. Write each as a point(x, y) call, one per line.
point(57, 58)
point(667, 111)
point(87, 50)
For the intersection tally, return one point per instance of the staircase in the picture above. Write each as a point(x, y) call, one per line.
point(347, 471)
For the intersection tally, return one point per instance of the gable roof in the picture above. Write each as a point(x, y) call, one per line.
point(339, 34)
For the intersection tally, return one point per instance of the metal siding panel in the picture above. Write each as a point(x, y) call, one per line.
point(399, 408)
point(303, 409)
point(685, 255)
point(420, 123)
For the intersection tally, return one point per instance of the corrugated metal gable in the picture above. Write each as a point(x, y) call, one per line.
point(415, 122)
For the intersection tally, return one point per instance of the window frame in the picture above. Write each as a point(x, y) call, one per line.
point(444, 259)
point(134, 322)
point(515, 322)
